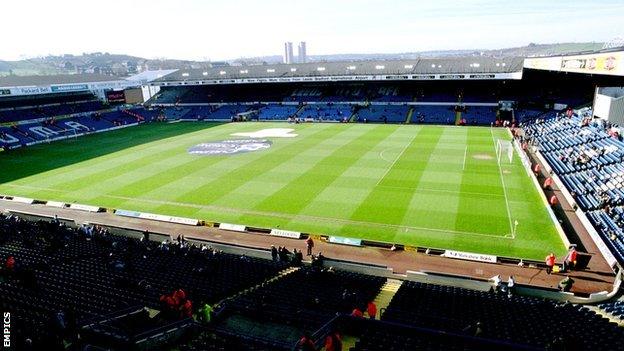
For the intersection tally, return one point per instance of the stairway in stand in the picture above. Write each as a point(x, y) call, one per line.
point(386, 294)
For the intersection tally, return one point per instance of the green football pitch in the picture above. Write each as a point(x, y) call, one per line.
point(431, 186)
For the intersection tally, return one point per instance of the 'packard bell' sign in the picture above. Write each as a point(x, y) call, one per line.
point(469, 256)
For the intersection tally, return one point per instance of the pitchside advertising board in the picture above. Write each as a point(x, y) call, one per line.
point(469, 256)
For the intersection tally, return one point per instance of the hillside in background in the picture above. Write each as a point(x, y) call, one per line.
point(124, 65)
point(528, 50)
point(100, 63)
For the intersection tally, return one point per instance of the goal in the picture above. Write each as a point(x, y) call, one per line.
point(504, 151)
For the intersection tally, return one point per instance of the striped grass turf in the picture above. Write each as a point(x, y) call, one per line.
point(427, 186)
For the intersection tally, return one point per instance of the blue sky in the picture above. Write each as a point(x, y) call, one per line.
point(217, 30)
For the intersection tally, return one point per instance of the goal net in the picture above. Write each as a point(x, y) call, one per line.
point(504, 151)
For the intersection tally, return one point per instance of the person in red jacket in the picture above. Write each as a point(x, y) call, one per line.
point(357, 313)
point(550, 262)
point(548, 183)
point(10, 263)
point(570, 260)
point(186, 310)
point(537, 168)
point(371, 308)
point(333, 342)
point(168, 305)
point(553, 201)
point(309, 245)
point(179, 296)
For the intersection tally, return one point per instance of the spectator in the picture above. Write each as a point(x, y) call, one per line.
point(306, 343)
point(186, 309)
point(309, 245)
point(357, 313)
point(553, 200)
point(566, 284)
point(371, 309)
point(496, 283)
point(10, 264)
point(550, 263)
point(205, 313)
point(273, 253)
point(570, 260)
point(297, 258)
point(548, 183)
point(511, 284)
point(333, 342)
point(283, 254)
point(146, 236)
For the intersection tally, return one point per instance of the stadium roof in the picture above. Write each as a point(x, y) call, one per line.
point(22, 81)
point(148, 76)
point(463, 65)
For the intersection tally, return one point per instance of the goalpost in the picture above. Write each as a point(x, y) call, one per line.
point(504, 150)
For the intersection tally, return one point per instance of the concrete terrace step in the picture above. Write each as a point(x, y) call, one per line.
point(387, 292)
point(279, 275)
point(606, 314)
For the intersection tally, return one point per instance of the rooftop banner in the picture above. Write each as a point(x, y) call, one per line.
point(68, 87)
point(609, 63)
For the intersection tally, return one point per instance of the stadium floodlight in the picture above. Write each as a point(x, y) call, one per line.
point(320, 69)
point(244, 71)
point(293, 69)
point(497, 64)
point(222, 73)
point(433, 65)
point(476, 64)
point(439, 66)
point(185, 74)
point(380, 67)
point(270, 70)
point(351, 68)
point(408, 66)
point(503, 64)
point(205, 73)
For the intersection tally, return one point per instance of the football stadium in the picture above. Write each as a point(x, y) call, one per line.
point(442, 202)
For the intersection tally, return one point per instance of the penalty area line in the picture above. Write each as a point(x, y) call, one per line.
point(396, 159)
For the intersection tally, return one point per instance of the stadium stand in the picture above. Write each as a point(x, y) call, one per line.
point(434, 114)
point(615, 308)
point(87, 272)
point(277, 112)
point(62, 281)
point(588, 156)
point(326, 112)
point(479, 115)
point(308, 297)
point(518, 319)
point(383, 113)
point(48, 111)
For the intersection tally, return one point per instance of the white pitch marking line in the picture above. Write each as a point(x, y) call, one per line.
point(290, 217)
point(464, 163)
point(396, 159)
point(500, 170)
